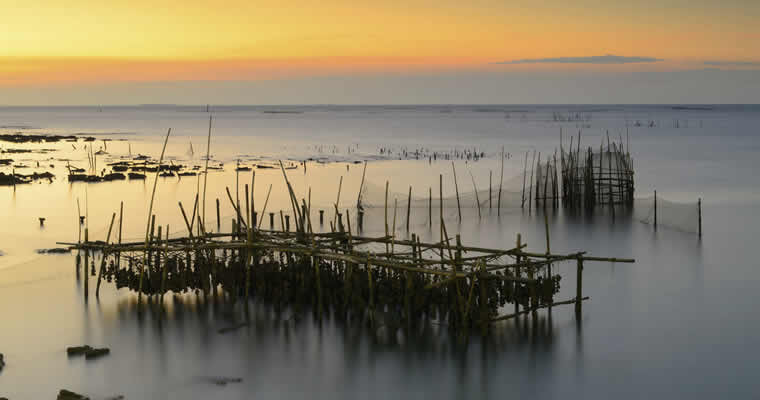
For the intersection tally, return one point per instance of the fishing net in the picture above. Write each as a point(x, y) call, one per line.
point(682, 216)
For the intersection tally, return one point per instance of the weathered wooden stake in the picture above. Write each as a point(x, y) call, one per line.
point(579, 286)
point(456, 188)
point(699, 211)
point(408, 207)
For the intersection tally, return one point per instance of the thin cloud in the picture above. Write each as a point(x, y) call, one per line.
point(605, 59)
point(733, 63)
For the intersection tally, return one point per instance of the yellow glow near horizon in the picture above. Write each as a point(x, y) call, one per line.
point(44, 40)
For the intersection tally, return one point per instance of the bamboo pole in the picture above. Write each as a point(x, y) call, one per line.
point(121, 218)
point(86, 265)
point(218, 219)
point(205, 171)
point(578, 285)
point(655, 210)
point(150, 208)
point(103, 261)
point(501, 181)
point(264, 210)
point(475, 188)
point(525, 171)
point(699, 212)
point(408, 208)
point(164, 269)
point(430, 206)
point(456, 188)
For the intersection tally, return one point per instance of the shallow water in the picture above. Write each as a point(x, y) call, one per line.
point(681, 321)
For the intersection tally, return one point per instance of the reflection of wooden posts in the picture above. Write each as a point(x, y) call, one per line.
point(579, 285)
point(699, 212)
point(483, 283)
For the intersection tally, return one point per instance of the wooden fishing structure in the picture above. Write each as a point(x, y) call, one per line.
point(603, 177)
point(340, 271)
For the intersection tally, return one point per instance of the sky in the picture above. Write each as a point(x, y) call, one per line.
point(387, 52)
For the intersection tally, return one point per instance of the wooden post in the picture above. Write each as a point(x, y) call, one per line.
point(490, 196)
point(247, 208)
point(456, 188)
point(287, 222)
point(164, 268)
point(517, 275)
point(579, 286)
point(103, 261)
point(525, 171)
point(699, 211)
point(86, 264)
point(121, 218)
point(430, 206)
point(271, 221)
point(655, 210)
point(321, 217)
point(386, 215)
point(501, 181)
point(408, 207)
point(218, 220)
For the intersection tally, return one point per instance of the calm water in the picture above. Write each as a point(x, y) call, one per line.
point(681, 321)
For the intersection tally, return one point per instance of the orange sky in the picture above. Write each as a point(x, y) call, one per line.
point(53, 41)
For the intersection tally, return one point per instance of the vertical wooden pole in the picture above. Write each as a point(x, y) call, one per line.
point(86, 264)
point(517, 275)
point(430, 207)
point(386, 215)
point(218, 220)
point(164, 268)
point(247, 208)
point(501, 181)
point(408, 207)
point(579, 285)
point(440, 194)
point(699, 211)
point(525, 172)
point(490, 196)
point(121, 218)
point(103, 261)
point(456, 188)
point(655, 210)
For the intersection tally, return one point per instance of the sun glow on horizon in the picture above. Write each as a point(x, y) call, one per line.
point(48, 41)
